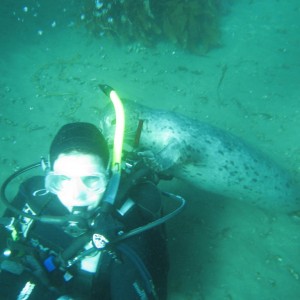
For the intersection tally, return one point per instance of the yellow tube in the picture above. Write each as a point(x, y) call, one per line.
point(119, 131)
point(120, 126)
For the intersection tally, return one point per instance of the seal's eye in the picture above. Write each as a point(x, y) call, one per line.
point(110, 121)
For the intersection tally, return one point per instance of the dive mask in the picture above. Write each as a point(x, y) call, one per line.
point(55, 182)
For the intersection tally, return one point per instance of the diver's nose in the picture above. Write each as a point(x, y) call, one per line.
point(78, 189)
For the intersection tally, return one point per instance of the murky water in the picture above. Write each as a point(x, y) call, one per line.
point(51, 64)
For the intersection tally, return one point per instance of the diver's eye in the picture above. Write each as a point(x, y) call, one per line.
point(57, 182)
point(91, 181)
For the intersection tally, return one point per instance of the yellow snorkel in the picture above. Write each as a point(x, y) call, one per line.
point(112, 188)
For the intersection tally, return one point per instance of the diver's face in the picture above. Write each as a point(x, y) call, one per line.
point(78, 180)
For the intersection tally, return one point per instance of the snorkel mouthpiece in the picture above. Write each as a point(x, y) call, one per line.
point(114, 182)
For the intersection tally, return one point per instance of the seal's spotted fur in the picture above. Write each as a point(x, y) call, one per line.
point(205, 156)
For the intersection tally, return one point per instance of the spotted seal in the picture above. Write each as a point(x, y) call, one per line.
point(205, 156)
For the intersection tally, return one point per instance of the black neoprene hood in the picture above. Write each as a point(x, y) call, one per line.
point(81, 137)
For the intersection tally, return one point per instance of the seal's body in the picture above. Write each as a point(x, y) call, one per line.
point(205, 156)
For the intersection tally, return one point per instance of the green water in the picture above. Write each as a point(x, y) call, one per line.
point(220, 248)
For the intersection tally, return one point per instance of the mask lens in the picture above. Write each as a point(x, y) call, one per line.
point(56, 182)
point(94, 182)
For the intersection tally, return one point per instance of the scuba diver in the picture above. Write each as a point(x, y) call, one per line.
point(85, 230)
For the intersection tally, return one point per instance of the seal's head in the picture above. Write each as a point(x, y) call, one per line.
point(107, 122)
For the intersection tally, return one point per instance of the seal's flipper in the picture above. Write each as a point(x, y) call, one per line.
point(165, 158)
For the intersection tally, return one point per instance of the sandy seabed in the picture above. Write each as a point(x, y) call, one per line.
point(220, 248)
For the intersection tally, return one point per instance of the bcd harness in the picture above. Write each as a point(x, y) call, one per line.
point(90, 240)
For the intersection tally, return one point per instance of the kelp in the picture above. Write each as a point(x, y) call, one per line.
point(193, 25)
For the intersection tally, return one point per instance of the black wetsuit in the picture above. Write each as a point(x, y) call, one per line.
point(135, 268)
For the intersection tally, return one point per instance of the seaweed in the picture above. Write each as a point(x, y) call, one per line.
point(193, 25)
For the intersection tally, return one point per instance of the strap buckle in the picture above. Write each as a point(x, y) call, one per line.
point(99, 241)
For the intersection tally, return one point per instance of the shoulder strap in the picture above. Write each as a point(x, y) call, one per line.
point(32, 192)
